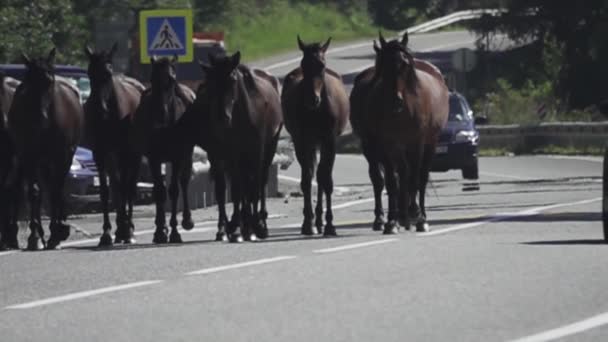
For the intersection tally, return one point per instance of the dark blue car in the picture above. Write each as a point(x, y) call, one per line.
point(459, 140)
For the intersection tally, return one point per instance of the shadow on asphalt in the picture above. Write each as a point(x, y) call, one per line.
point(566, 242)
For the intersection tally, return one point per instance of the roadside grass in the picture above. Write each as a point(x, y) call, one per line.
point(275, 31)
point(549, 149)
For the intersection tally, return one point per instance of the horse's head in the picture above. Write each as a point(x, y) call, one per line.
point(163, 74)
point(313, 69)
point(395, 66)
point(40, 72)
point(221, 85)
point(100, 64)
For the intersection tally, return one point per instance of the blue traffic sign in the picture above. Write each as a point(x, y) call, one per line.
point(166, 33)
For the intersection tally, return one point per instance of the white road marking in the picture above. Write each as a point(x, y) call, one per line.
point(241, 265)
point(500, 175)
point(84, 294)
point(330, 51)
point(352, 203)
point(7, 253)
point(507, 216)
point(354, 246)
point(594, 159)
point(338, 189)
point(567, 330)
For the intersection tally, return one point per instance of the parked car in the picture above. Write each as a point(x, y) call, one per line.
point(458, 141)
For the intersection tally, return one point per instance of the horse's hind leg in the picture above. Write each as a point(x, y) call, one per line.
point(104, 193)
point(306, 157)
point(160, 196)
point(174, 237)
point(375, 175)
point(326, 183)
point(422, 225)
point(184, 179)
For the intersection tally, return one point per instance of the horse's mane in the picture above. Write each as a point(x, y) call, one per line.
point(411, 78)
point(247, 76)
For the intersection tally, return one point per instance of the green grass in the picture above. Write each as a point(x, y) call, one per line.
point(275, 31)
point(494, 152)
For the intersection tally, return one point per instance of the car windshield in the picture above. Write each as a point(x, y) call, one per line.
point(457, 111)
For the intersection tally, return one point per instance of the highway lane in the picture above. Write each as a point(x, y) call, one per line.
point(520, 256)
point(499, 280)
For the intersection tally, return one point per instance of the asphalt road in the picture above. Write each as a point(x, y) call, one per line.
point(522, 255)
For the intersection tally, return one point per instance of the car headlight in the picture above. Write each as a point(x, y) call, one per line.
point(466, 136)
point(75, 165)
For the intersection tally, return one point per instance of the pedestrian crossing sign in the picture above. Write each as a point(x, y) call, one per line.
point(166, 33)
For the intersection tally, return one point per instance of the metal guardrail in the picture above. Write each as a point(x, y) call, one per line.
point(450, 19)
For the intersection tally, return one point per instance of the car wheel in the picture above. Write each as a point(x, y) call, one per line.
point(471, 171)
point(605, 195)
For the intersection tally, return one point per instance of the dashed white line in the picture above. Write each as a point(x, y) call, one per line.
point(354, 246)
point(83, 294)
point(241, 265)
point(567, 330)
point(504, 217)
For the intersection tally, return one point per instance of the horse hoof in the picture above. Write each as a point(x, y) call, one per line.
point(9, 245)
point(422, 227)
point(175, 237)
point(330, 231)
point(221, 236)
point(262, 233)
point(160, 237)
point(235, 238)
point(129, 241)
point(378, 225)
point(250, 237)
point(35, 243)
point(105, 241)
point(391, 228)
point(53, 245)
point(187, 224)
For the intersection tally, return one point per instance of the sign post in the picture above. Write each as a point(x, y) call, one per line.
point(166, 33)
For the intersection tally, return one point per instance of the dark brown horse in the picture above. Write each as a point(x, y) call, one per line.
point(241, 120)
point(316, 111)
point(399, 108)
point(109, 114)
point(8, 205)
point(162, 135)
point(45, 123)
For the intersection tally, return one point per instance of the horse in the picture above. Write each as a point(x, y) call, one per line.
point(109, 117)
point(162, 135)
point(420, 103)
point(45, 123)
point(316, 111)
point(240, 119)
point(8, 205)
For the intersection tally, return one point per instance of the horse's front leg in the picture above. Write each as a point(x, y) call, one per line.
point(326, 182)
point(184, 179)
point(218, 172)
point(160, 196)
point(377, 179)
point(236, 222)
point(174, 237)
point(306, 158)
point(392, 187)
point(104, 193)
point(35, 241)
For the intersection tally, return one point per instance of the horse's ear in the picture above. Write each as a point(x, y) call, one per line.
point(51, 58)
point(153, 59)
point(236, 59)
point(382, 40)
point(301, 44)
point(376, 47)
point(405, 39)
point(114, 49)
point(174, 59)
point(88, 51)
point(326, 45)
point(26, 59)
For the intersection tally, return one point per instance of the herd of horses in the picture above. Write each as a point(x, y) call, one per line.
point(397, 107)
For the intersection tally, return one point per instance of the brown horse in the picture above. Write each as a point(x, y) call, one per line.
point(400, 106)
point(162, 135)
point(316, 110)
point(45, 123)
point(241, 121)
point(8, 205)
point(109, 114)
